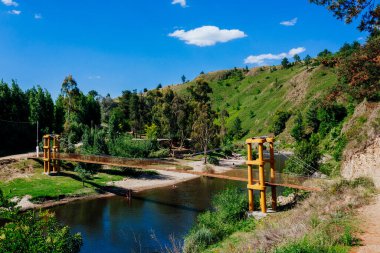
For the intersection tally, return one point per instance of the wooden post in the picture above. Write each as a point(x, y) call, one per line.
point(47, 154)
point(250, 178)
point(272, 173)
point(262, 179)
point(55, 153)
point(45, 159)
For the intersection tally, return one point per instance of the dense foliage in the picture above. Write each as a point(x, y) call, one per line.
point(33, 232)
point(227, 216)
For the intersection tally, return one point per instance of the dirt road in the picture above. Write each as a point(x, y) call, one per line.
point(369, 217)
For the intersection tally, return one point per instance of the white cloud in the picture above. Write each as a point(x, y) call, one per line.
point(37, 16)
point(295, 51)
point(181, 2)
point(9, 3)
point(14, 12)
point(291, 22)
point(260, 59)
point(207, 35)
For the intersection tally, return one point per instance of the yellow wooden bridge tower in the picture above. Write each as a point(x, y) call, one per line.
point(260, 162)
point(51, 164)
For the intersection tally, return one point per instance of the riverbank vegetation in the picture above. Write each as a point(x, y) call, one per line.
point(34, 231)
point(317, 222)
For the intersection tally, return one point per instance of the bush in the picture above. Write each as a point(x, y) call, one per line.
point(339, 147)
point(164, 152)
point(31, 232)
point(279, 122)
point(306, 157)
point(226, 217)
point(124, 146)
point(213, 160)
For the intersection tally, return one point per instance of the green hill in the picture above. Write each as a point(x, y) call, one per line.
point(255, 95)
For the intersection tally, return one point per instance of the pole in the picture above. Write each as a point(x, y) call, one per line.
point(250, 181)
point(37, 149)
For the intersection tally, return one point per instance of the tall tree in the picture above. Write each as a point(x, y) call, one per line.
point(285, 63)
point(70, 93)
point(204, 129)
point(307, 60)
point(199, 92)
point(181, 111)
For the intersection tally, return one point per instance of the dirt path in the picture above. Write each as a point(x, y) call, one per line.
point(370, 224)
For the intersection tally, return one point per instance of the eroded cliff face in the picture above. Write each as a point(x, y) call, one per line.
point(364, 163)
point(362, 154)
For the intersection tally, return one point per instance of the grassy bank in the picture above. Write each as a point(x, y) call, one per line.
point(66, 184)
point(321, 222)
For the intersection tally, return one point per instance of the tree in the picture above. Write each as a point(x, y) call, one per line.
point(199, 92)
point(151, 132)
point(307, 60)
point(106, 106)
point(134, 113)
point(236, 128)
point(183, 78)
point(296, 58)
point(298, 130)
point(279, 122)
point(285, 63)
point(368, 11)
point(204, 129)
point(324, 53)
point(181, 111)
point(306, 151)
point(360, 72)
point(70, 93)
point(41, 108)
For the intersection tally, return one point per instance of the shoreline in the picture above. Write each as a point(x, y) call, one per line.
point(164, 179)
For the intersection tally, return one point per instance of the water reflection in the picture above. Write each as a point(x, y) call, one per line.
point(143, 224)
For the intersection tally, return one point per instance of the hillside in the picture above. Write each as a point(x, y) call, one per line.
point(258, 94)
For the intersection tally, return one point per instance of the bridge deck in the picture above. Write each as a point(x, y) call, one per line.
point(158, 164)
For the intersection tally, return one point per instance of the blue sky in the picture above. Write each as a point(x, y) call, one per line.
point(117, 45)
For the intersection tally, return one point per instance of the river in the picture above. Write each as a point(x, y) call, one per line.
point(145, 223)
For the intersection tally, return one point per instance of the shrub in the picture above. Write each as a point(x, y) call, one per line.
point(306, 157)
point(227, 216)
point(31, 232)
point(339, 147)
point(213, 160)
point(279, 122)
point(124, 146)
point(164, 152)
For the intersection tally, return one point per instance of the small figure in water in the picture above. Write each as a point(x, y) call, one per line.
point(174, 186)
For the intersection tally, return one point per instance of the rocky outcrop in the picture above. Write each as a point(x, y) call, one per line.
point(364, 163)
point(362, 154)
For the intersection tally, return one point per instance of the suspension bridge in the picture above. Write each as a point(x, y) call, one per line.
point(52, 155)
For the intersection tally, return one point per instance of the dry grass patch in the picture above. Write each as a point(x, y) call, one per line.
point(320, 220)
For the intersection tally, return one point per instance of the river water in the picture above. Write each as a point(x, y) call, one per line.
point(146, 223)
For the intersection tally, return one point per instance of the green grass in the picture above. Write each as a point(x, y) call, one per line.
point(66, 184)
point(263, 95)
